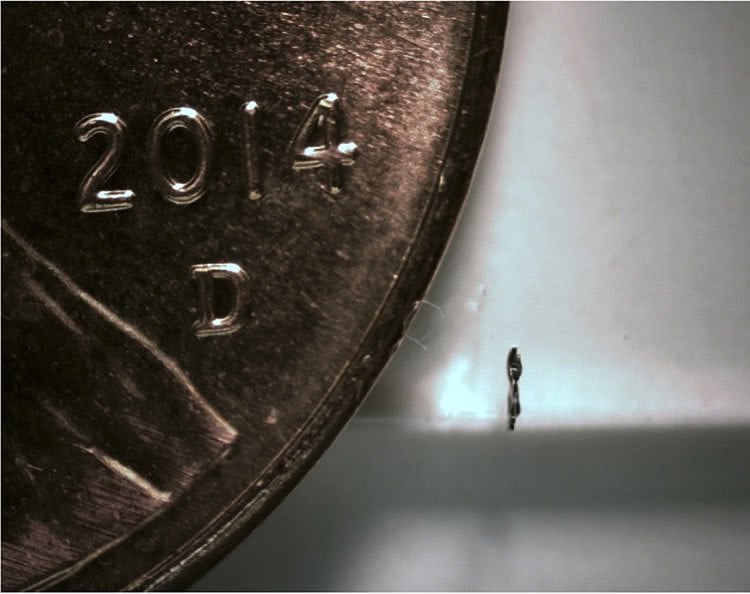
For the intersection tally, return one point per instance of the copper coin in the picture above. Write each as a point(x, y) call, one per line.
point(217, 219)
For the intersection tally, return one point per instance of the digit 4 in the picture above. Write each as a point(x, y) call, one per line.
point(316, 143)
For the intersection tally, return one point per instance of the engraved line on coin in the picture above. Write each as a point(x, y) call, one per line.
point(119, 468)
point(47, 549)
point(129, 474)
point(206, 275)
point(53, 306)
point(116, 466)
point(228, 433)
point(250, 149)
point(122, 380)
point(90, 197)
point(83, 517)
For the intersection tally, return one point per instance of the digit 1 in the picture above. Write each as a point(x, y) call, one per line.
point(250, 149)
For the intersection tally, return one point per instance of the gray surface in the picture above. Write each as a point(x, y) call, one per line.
point(392, 507)
point(606, 237)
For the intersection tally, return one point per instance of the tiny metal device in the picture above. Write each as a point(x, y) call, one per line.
point(514, 369)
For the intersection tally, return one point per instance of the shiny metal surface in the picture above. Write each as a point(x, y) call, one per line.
point(203, 277)
point(606, 236)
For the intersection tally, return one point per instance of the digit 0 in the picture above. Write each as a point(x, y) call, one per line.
point(181, 192)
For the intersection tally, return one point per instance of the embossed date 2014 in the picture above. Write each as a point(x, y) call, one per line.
point(315, 144)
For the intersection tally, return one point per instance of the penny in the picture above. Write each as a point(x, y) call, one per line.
point(217, 219)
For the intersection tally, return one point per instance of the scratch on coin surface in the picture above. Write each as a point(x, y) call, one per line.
point(312, 303)
point(62, 420)
point(229, 433)
point(26, 467)
point(389, 31)
point(127, 382)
